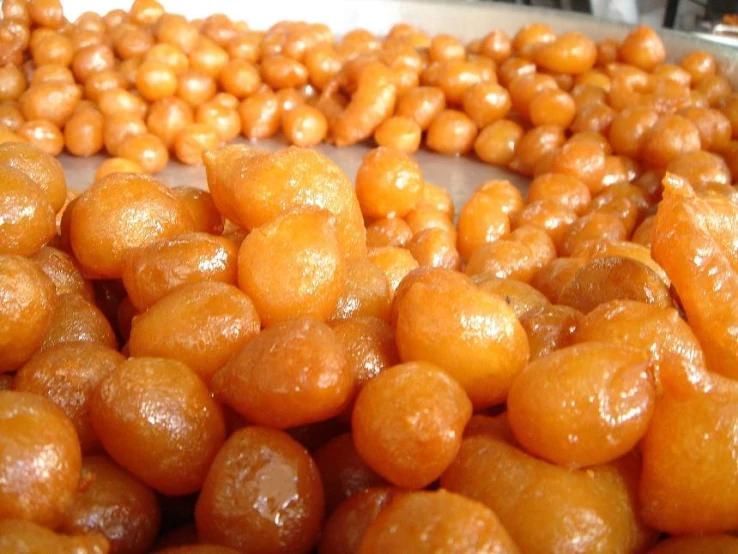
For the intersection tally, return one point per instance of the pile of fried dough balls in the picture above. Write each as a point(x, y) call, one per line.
point(289, 362)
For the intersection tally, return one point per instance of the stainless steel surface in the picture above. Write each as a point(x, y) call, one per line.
point(466, 20)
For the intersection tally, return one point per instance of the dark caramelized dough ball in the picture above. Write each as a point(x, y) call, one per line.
point(615, 278)
point(549, 328)
point(156, 418)
point(153, 271)
point(76, 319)
point(42, 169)
point(293, 266)
point(345, 528)
point(27, 219)
point(41, 459)
point(198, 549)
point(29, 302)
point(68, 374)
point(120, 212)
point(547, 508)
point(438, 521)
point(188, 325)
point(262, 495)
point(114, 504)
point(583, 405)
point(342, 471)
point(17, 535)
point(397, 434)
point(293, 373)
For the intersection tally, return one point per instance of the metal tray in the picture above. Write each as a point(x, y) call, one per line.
point(466, 20)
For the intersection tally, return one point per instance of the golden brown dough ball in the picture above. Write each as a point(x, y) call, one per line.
point(114, 504)
point(120, 212)
point(553, 416)
point(26, 314)
point(68, 374)
point(41, 459)
point(264, 189)
point(426, 522)
point(293, 373)
point(17, 535)
point(471, 334)
point(293, 267)
point(571, 510)
point(42, 169)
point(388, 184)
point(28, 220)
point(156, 418)
point(395, 432)
point(187, 325)
point(153, 271)
point(262, 495)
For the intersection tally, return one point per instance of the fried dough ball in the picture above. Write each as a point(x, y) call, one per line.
point(689, 471)
point(342, 471)
point(121, 212)
point(582, 405)
point(366, 292)
point(292, 266)
point(262, 495)
point(156, 418)
point(188, 325)
point(432, 521)
point(614, 278)
point(68, 374)
point(76, 319)
point(477, 339)
point(27, 311)
point(388, 184)
point(294, 373)
point(717, 543)
point(42, 169)
point(17, 535)
point(153, 271)
point(407, 423)
point(41, 459)
point(27, 219)
point(264, 189)
point(546, 508)
point(114, 504)
point(345, 528)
